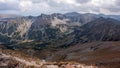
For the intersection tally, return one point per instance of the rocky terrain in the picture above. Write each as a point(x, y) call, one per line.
point(88, 55)
point(9, 59)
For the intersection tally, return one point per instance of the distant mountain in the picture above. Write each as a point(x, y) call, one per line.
point(81, 18)
point(117, 17)
point(101, 29)
point(8, 16)
point(44, 27)
point(72, 14)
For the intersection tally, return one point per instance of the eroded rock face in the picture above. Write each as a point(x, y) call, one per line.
point(9, 62)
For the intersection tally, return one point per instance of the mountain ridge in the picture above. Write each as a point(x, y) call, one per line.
point(36, 28)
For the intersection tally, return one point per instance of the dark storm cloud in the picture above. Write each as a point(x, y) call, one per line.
point(83, 1)
point(117, 2)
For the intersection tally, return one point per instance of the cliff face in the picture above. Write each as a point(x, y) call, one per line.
point(15, 28)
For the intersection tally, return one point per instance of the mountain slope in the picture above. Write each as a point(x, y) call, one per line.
point(101, 29)
point(44, 27)
point(99, 53)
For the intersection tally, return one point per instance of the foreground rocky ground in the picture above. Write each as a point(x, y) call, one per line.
point(14, 59)
point(8, 61)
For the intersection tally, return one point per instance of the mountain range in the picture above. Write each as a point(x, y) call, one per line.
point(45, 27)
point(91, 39)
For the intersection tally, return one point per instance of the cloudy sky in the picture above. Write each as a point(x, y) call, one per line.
point(36, 7)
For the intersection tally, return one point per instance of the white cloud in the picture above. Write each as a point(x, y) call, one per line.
point(25, 5)
point(36, 7)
